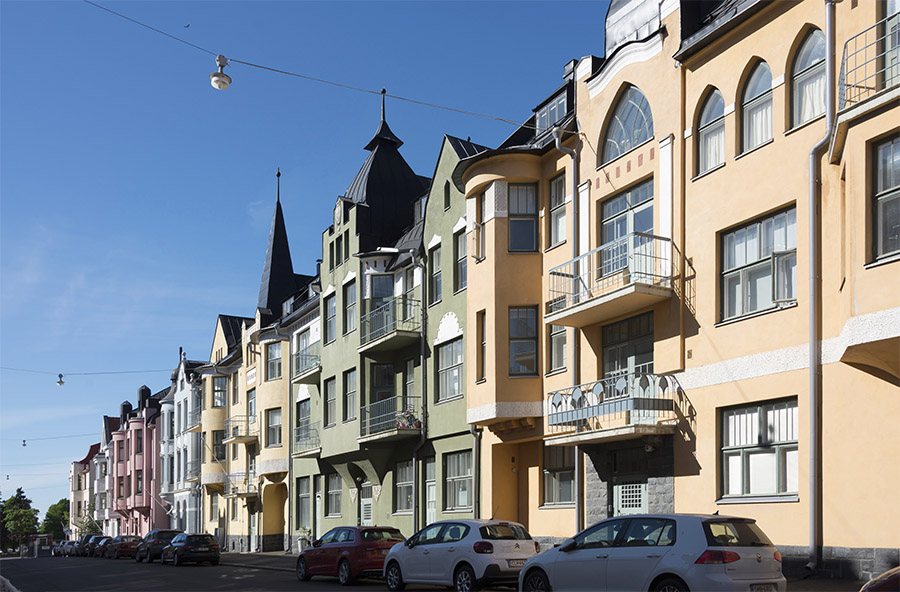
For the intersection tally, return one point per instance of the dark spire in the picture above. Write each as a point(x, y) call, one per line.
point(384, 133)
point(278, 272)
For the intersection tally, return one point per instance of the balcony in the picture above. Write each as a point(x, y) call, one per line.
point(306, 364)
point(618, 408)
point(306, 439)
point(193, 421)
point(241, 429)
point(390, 419)
point(193, 470)
point(870, 63)
point(393, 325)
point(240, 484)
point(620, 277)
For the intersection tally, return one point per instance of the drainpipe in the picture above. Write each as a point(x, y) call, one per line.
point(814, 199)
point(476, 472)
point(417, 473)
point(576, 334)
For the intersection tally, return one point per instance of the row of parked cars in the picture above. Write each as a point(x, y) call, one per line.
point(167, 545)
point(647, 552)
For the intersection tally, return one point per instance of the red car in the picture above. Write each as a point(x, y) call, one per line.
point(348, 552)
point(122, 546)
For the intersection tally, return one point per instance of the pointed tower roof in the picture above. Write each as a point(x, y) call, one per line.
point(384, 133)
point(278, 272)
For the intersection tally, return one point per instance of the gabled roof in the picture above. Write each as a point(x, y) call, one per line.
point(464, 148)
point(110, 425)
point(278, 281)
point(232, 328)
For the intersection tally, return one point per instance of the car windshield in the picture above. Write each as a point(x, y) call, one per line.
point(167, 535)
point(504, 532)
point(200, 539)
point(735, 533)
point(382, 534)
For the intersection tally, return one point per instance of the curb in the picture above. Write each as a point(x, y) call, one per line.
point(249, 566)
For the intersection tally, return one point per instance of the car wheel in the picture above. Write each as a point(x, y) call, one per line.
point(536, 581)
point(302, 573)
point(175, 560)
point(345, 577)
point(150, 557)
point(116, 555)
point(464, 579)
point(137, 557)
point(394, 578)
point(671, 585)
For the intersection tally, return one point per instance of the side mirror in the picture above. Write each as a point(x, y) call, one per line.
point(567, 545)
point(410, 542)
point(317, 543)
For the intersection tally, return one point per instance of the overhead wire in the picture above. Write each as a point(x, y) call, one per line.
point(106, 372)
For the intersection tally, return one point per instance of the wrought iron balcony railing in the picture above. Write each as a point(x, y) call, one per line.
point(871, 62)
point(397, 314)
point(625, 400)
point(306, 359)
point(193, 470)
point(194, 418)
point(636, 258)
point(306, 437)
point(394, 413)
point(241, 427)
point(240, 483)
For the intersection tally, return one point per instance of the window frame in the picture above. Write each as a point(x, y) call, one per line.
point(444, 369)
point(709, 125)
point(523, 339)
point(329, 325)
point(350, 396)
point(610, 148)
point(404, 482)
point(454, 483)
point(435, 285)
point(273, 430)
point(557, 466)
point(516, 218)
point(754, 104)
point(220, 391)
point(556, 190)
point(303, 489)
point(333, 495)
point(330, 397)
point(460, 270)
point(885, 191)
point(273, 361)
point(349, 313)
point(557, 338)
point(813, 70)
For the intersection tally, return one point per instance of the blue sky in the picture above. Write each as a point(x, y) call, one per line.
point(135, 199)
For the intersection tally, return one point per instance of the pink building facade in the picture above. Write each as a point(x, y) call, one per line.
point(135, 467)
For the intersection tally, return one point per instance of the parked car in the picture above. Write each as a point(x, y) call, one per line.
point(87, 550)
point(660, 552)
point(56, 549)
point(191, 547)
point(151, 547)
point(463, 554)
point(889, 581)
point(122, 546)
point(348, 552)
point(81, 545)
point(100, 548)
point(68, 548)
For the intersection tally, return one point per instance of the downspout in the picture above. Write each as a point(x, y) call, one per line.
point(417, 473)
point(814, 198)
point(476, 472)
point(576, 333)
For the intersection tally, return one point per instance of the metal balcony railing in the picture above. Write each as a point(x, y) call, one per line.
point(306, 359)
point(193, 469)
point(397, 314)
point(394, 413)
point(871, 62)
point(306, 437)
point(241, 426)
point(625, 400)
point(240, 483)
point(636, 258)
point(194, 418)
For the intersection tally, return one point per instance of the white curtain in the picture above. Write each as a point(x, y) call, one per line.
point(758, 123)
point(712, 147)
point(809, 94)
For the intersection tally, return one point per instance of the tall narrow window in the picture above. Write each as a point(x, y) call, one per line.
point(458, 480)
point(139, 441)
point(523, 218)
point(808, 84)
point(409, 295)
point(434, 284)
point(559, 475)
point(382, 382)
point(557, 347)
point(481, 330)
point(339, 249)
point(711, 133)
point(626, 229)
point(350, 394)
point(403, 486)
point(756, 108)
point(333, 494)
point(887, 198)
point(459, 277)
point(409, 383)
point(218, 447)
point(330, 313)
point(760, 265)
point(220, 388)
point(346, 245)
point(558, 209)
point(759, 449)
point(251, 405)
point(631, 125)
point(522, 340)
point(235, 389)
point(138, 481)
point(273, 360)
point(330, 402)
point(349, 307)
point(628, 347)
point(273, 427)
point(450, 369)
point(304, 504)
point(447, 195)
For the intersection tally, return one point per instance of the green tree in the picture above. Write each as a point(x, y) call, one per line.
point(19, 518)
point(86, 523)
point(56, 521)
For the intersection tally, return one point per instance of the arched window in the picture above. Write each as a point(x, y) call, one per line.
point(756, 108)
point(711, 133)
point(808, 79)
point(630, 126)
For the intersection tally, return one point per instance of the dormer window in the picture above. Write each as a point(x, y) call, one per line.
point(287, 306)
point(550, 113)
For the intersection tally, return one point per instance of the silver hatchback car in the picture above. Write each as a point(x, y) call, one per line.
point(660, 553)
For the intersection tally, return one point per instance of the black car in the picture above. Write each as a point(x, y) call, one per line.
point(152, 545)
point(191, 547)
point(100, 548)
point(80, 545)
point(87, 549)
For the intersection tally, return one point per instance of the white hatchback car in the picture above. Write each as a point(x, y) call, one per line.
point(462, 554)
point(660, 553)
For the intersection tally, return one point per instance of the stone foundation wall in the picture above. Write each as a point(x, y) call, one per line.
point(237, 543)
point(845, 563)
point(272, 542)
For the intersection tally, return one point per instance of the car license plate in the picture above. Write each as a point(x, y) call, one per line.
point(203, 548)
point(384, 551)
point(762, 588)
point(515, 562)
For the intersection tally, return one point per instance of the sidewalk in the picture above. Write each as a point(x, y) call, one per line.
point(281, 561)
